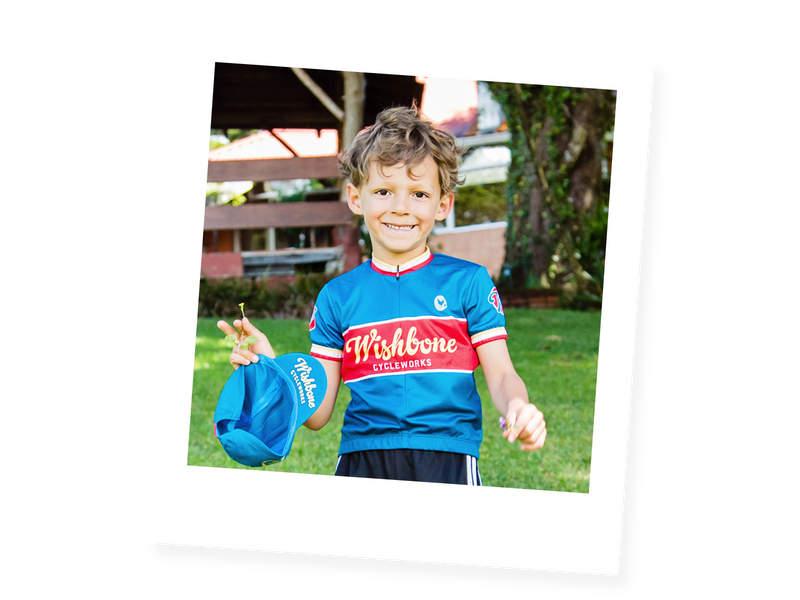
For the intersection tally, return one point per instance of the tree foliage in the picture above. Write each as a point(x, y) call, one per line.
point(557, 188)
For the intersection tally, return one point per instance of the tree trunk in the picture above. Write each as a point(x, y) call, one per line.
point(540, 257)
point(584, 151)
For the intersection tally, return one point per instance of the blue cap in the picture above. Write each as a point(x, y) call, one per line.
point(263, 404)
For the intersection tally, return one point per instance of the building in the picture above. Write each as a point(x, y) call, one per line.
point(298, 141)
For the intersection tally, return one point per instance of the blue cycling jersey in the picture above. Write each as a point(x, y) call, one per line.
point(406, 337)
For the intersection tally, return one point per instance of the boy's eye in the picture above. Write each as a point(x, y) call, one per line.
point(420, 195)
point(382, 192)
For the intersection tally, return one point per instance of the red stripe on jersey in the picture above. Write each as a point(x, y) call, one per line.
point(407, 345)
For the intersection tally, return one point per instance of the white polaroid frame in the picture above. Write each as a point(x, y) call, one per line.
point(555, 531)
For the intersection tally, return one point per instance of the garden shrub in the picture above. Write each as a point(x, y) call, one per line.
point(291, 298)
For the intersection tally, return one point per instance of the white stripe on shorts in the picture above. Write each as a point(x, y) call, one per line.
point(473, 475)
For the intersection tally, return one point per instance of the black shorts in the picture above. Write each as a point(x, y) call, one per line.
point(411, 465)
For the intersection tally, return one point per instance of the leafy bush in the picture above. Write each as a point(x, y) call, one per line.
point(264, 298)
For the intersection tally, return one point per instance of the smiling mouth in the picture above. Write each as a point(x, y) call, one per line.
point(400, 227)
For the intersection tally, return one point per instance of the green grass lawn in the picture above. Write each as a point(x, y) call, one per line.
point(560, 376)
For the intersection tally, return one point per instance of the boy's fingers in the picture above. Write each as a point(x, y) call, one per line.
point(528, 419)
point(251, 329)
point(533, 439)
point(534, 426)
point(244, 329)
point(511, 422)
point(241, 327)
point(243, 357)
point(535, 444)
point(248, 327)
point(225, 328)
point(262, 346)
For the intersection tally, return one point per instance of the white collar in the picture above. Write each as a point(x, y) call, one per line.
point(411, 265)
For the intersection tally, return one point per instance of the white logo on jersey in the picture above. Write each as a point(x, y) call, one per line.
point(440, 303)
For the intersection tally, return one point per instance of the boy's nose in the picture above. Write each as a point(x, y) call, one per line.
point(400, 204)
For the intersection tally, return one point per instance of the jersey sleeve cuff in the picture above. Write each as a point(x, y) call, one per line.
point(326, 353)
point(490, 335)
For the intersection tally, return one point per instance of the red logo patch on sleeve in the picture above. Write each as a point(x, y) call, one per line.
point(313, 323)
point(494, 300)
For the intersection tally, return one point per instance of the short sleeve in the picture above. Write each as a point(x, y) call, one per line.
point(326, 335)
point(486, 321)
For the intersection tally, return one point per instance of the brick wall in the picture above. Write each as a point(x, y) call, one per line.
point(221, 264)
point(482, 244)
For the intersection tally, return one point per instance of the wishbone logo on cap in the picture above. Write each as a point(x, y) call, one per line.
point(263, 404)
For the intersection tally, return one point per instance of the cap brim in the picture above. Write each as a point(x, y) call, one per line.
point(247, 449)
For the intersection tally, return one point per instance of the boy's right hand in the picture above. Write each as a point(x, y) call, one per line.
point(244, 329)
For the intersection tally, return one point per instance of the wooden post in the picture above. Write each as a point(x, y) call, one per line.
point(353, 121)
point(237, 240)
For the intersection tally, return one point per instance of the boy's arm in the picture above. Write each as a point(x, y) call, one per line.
point(524, 422)
point(320, 418)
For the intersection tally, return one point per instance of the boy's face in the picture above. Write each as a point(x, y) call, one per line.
point(400, 210)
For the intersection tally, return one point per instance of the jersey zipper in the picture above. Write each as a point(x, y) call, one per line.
point(405, 390)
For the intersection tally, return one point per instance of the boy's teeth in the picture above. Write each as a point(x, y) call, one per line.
point(403, 227)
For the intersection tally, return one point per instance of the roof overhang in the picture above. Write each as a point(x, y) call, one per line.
point(265, 97)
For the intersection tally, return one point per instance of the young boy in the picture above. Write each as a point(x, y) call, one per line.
point(406, 330)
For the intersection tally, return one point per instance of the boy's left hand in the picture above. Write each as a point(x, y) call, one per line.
point(525, 422)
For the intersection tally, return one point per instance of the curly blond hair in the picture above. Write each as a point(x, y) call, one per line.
point(402, 136)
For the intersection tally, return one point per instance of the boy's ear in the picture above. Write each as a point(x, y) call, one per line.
point(445, 206)
point(354, 199)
